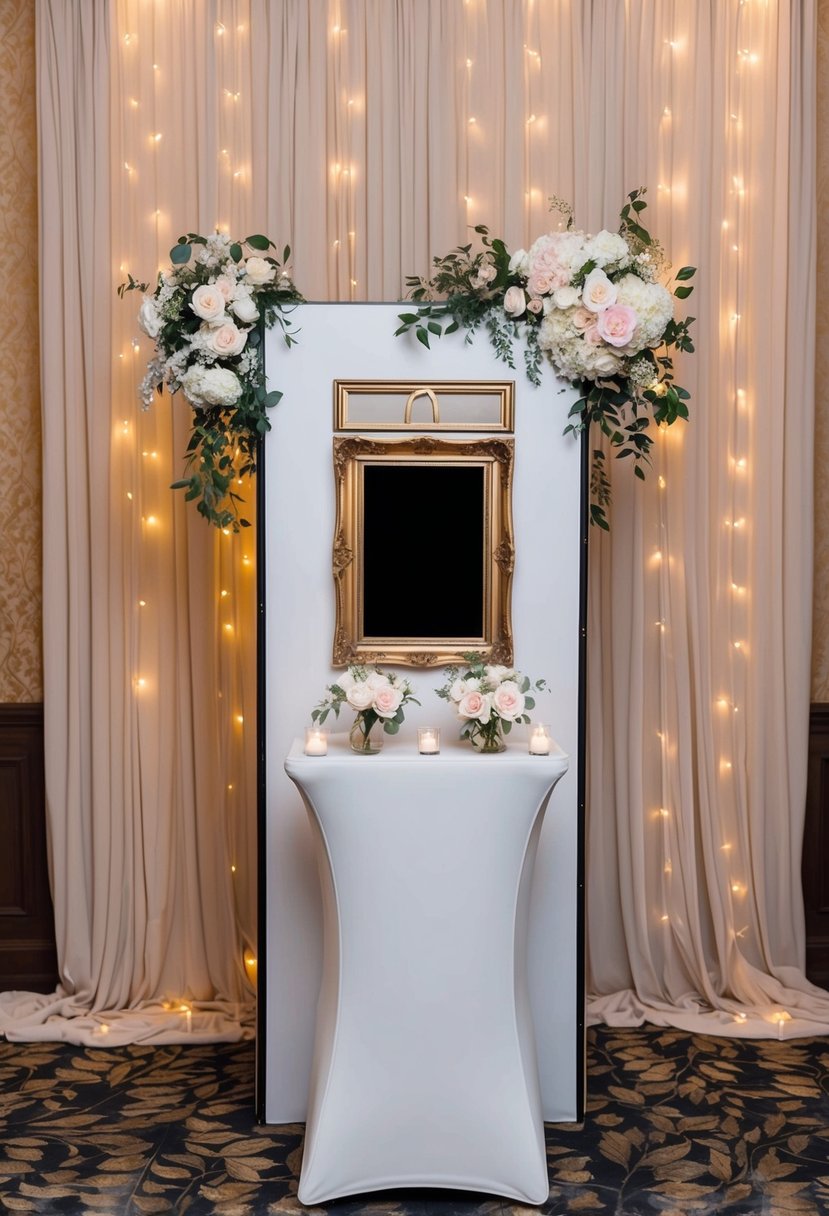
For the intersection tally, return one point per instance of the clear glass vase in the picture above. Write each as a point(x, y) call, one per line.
point(489, 739)
point(366, 736)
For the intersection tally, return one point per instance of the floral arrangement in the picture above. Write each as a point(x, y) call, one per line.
point(376, 696)
point(206, 318)
point(488, 699)
point(592, 305)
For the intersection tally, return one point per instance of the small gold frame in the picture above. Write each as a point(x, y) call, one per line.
point(410, 390)
point(352, 455)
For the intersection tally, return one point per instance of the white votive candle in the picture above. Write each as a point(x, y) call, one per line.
point(316, 741)
point(428, 741)
point(540, 741)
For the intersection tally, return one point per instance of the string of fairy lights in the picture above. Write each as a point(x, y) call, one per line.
point(149, 446)
point(148, 457)
point(743, 84)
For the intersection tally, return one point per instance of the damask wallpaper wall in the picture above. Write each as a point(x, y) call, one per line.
point(20, 519)
point(21, 677)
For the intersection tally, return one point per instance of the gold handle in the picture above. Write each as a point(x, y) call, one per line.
point(413, 396)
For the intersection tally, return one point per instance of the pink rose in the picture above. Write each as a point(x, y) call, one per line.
point(227, 340)
point(515, 302)
point(539, 283)
point(616, 324)
point(508, 700)
point(598, 292)
point(476, 705)
point(387, 701)
point(582, 319)
point(535, 306)
point(592, 336)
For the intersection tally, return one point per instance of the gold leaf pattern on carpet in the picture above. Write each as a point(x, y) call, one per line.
point(676, 1124)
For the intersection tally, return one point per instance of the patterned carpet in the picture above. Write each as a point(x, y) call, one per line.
point(677, 1124)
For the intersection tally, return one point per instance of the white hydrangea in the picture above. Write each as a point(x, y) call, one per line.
point(653, 305)
point(211, 385)
point(608, 249)
point(563, 252)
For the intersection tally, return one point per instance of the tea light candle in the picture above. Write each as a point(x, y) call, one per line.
point(428, 741)
point(316, 741)
point(540, 741)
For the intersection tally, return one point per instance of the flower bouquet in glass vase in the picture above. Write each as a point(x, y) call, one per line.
point(488, 699)
point(377, 697)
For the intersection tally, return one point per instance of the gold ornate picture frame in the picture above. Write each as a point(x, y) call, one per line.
point(423, 550)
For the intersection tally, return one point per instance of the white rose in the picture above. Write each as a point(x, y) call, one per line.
point(226, 340)
point(346, 681)
point(515, 302)
point(495, 673)
point(387, 701)
point(508, 700)
point(598, 291)
point(359, 695)
point(487, 272)
point(519, 262)
point(458, 690)
point(208, 302)
point(148, 317)
point(605, 363)
point(565, 297)
point(259, 271)
point(376, 679)
point(211, 385)
point(246, 309)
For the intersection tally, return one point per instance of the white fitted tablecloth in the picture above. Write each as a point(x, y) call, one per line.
point(424, 1069)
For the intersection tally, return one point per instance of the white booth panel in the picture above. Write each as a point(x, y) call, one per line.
point(356, 342)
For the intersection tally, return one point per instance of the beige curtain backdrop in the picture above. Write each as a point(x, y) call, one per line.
point(370, 134)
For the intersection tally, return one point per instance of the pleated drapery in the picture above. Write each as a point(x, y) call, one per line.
point(370, 135)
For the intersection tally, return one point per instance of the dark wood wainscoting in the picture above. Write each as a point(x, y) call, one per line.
point(27, 927)
point(816, 849)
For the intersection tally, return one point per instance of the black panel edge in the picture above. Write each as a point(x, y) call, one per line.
point(261, 790)
point(581, 1029)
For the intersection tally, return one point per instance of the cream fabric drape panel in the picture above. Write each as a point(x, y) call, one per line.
point(370, 134)
point(141, 749)
point(700, 619)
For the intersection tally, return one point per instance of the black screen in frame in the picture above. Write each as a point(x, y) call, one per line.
point(423, 551)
